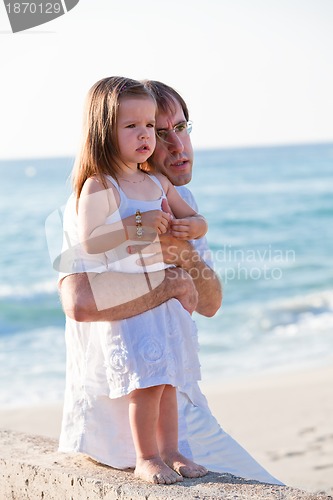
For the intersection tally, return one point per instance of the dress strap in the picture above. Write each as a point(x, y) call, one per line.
point(114, 182)
point(155, 179)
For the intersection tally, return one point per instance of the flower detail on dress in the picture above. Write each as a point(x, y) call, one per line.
point(151, 350)
point(119, 359)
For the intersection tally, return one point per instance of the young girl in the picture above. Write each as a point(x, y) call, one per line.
point(119, 202)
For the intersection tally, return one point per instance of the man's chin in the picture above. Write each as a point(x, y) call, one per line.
point(180, 179)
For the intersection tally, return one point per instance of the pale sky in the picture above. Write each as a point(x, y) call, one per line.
point(253, 72)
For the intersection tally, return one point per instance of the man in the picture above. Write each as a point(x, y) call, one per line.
point(94, 296)
point(174, 158)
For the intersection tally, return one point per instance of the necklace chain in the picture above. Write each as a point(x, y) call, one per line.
point(133, 182)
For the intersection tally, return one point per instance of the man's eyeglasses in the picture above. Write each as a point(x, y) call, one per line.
point(179, 129)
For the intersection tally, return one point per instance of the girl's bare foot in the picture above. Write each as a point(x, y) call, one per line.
point(154, 470)
point(184, 466)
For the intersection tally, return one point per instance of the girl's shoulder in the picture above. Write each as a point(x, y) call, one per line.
point(104, 191)
point(94, 184)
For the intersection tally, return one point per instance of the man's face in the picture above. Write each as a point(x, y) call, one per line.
point(173, 156)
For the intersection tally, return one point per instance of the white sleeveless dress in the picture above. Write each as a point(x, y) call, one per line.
point(98, 426)
point(156, 347)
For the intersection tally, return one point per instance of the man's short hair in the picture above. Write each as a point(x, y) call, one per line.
point(166, 96)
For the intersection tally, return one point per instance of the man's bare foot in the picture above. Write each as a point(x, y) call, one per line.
point(184, 466)
point(154, 470)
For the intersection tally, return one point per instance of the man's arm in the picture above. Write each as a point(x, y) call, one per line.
point(206, 283)
point(181, 253)
point(112, 296)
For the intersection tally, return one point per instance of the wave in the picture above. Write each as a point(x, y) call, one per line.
point(34, 362)
point(20, 291)
point(24, 308)
point(306, 313)
point(280, 335)
point(301, 316)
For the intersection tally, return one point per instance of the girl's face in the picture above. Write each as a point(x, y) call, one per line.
point(136, 130)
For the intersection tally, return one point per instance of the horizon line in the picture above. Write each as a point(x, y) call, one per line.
point(197, 149)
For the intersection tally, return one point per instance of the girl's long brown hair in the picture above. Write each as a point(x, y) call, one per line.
point(99, 152)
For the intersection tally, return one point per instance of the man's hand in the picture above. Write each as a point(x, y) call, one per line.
point(182, 288)
point(181, 253)
point(166, 248)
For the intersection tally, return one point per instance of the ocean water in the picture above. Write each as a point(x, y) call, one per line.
point(270, 214)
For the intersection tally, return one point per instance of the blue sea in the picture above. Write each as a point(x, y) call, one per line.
point(270, 214)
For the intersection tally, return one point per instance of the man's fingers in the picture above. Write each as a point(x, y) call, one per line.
point(150, 248)
point(190, 303)
point(151, 259)
point(154, 250)
point(180, 235)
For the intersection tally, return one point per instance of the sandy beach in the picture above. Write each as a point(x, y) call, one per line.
point(284, 420)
